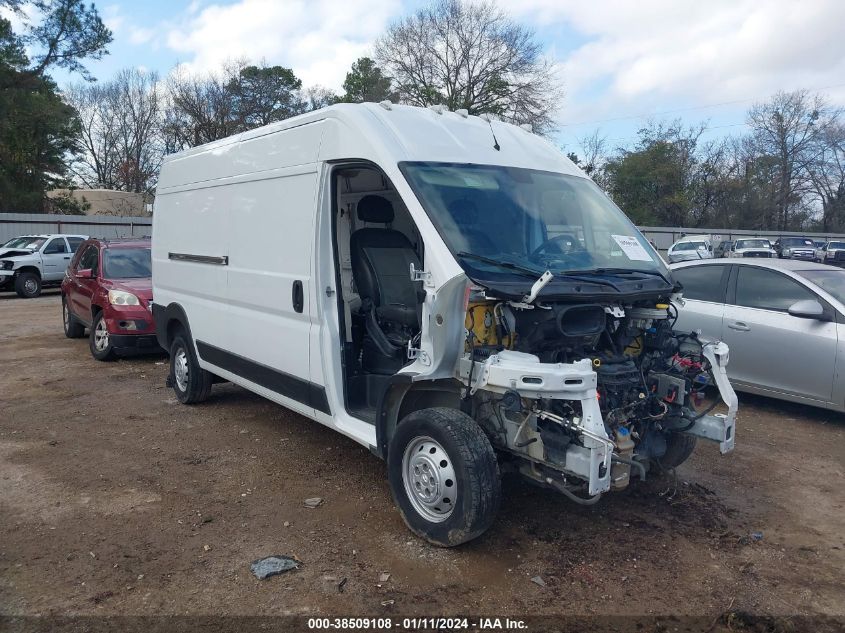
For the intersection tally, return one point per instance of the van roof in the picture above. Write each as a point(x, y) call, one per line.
point(389, 133)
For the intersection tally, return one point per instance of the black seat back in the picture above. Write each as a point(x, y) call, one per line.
point(381, 260)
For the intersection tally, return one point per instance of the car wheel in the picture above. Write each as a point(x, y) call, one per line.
point(679, 447)
point(444, 476)
point(191, 383)
point(28, 285)
point(72, 327)
point(99, 340)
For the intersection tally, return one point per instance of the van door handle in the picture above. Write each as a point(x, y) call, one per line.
point(298, 296)
point(739, 326)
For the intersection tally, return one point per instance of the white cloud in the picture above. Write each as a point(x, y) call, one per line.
point(141, 35)
point(641, 55)
point(318, 39)
point(112, 17)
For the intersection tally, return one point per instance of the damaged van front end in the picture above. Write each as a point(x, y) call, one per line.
point(627, 394)
point(571, 367)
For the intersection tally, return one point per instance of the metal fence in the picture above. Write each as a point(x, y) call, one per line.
point(664, 236)
point(14, 224)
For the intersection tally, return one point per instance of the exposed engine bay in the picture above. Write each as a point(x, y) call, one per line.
point(590, 394)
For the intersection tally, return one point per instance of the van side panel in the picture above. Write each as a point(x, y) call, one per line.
point(271, 240)
point(249, 201)
point(192, 222)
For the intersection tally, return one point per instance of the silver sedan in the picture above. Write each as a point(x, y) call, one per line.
point(783, 321)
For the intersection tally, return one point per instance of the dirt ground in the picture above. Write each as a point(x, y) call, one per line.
point(117, 500)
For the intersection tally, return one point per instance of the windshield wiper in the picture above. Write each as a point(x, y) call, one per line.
point(575, 275)
point(631, 271)
point(495, 262)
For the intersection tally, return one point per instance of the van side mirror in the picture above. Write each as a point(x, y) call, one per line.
point(807, 309)
point(85, 273)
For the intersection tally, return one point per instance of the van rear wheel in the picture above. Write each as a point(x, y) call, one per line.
point(444, 476)
point(191, 383)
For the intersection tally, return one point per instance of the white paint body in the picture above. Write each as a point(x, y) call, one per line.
point(261, 202)
point(261, 199)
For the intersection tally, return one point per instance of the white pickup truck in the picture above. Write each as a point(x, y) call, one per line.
point(29, 262)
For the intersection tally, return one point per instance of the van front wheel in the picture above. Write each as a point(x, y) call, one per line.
point(679, 448)
point(191, 383)
point(444, 476)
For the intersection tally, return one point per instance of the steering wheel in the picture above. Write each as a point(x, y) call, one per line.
point(574, 246)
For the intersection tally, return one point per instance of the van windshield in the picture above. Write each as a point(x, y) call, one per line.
point(511, 221)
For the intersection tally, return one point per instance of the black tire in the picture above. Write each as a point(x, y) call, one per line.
point(467, 452)
point(72, 327)
point(679, 447)
point(196, 385)
point(99, 341)
point(28, 285)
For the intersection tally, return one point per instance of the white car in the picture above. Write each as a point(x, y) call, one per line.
point(752, 247)
point(832, 253)
point(690, 248)
point(784, 321)
point(30, 262)
point(443, 289)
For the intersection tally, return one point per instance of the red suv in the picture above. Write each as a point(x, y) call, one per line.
point(108, 289)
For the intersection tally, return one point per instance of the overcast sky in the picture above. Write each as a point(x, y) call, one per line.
point(620, 60)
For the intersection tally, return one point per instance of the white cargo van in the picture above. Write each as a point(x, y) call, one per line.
point(448, 290)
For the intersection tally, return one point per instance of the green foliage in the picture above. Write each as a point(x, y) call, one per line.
point(787, 173)
point(366, 83)
point(265, 94)
point(70, 33)
point(37, 129)
point(654, 183)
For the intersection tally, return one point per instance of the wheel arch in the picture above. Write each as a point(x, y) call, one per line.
point(168, 320)
point(28, 269)
point(403, 396)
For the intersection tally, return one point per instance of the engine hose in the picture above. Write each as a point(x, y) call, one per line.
point(588, 501)
point(631, 462)
point(695, 418)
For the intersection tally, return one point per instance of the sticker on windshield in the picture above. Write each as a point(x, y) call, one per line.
point(632, 248)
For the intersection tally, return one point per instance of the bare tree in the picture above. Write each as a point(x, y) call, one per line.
point(200, 108)
point(473, 56)
point(594, 152)
point(316, 97)
point(137, 99)
point(827, 173)
point(94, 165)
point(785, 133)
point(120, 128)
point(240, 97)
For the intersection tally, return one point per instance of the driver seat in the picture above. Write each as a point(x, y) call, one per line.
point(381, 261)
